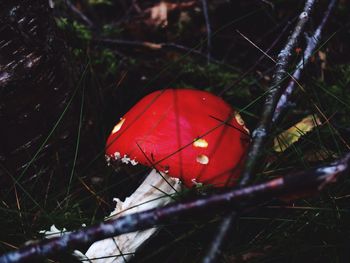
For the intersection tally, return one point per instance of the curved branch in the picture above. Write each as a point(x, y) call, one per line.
point(313, 180)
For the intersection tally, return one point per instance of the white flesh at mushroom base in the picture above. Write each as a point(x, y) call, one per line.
point(150, 194)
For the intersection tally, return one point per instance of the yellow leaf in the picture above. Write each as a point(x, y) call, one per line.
point(293, 134)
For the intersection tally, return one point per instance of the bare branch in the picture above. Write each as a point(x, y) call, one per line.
point(313, 180)
point(207, 24)
point(82, 16)
point(260, 134)
point(312, 43)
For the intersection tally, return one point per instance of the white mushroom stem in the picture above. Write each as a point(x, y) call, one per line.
point(150, 194)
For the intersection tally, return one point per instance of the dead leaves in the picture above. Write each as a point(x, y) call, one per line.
point(158, 14)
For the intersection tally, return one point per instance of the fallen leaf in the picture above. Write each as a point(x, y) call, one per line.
point(159, 12)
point(293, 134)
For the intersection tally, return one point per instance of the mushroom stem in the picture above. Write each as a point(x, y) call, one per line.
point(155, 191)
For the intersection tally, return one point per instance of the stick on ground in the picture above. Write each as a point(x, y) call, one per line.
point(290, 185)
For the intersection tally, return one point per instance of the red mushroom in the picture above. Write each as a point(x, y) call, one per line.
point(186, 136)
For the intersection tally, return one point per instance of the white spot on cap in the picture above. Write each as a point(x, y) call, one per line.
point(125, 159)
point(117, 155)
point(133, 162)
point(202, 159)
point(118, 126)
point(200, 143)
point(241, 122)
point(108, 160)
point(166, 169)
point(239, 118)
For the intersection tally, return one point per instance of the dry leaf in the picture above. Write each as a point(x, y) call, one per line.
point(159, 12)
point(293, 134)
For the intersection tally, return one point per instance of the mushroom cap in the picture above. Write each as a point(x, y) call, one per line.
point(189, 134)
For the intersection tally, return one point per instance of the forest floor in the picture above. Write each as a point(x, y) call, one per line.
point(121, 51)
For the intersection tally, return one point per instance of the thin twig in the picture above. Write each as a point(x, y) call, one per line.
point(156, 46)
point(312, 42)
point(241, 199)
point(136, 6)
point(235, 83)
point(260, 134)
point(272, 5)
point(82, 16)
point(207, 24)
point(221, 235)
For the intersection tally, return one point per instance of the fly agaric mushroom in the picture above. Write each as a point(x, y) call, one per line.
point(184, 135)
